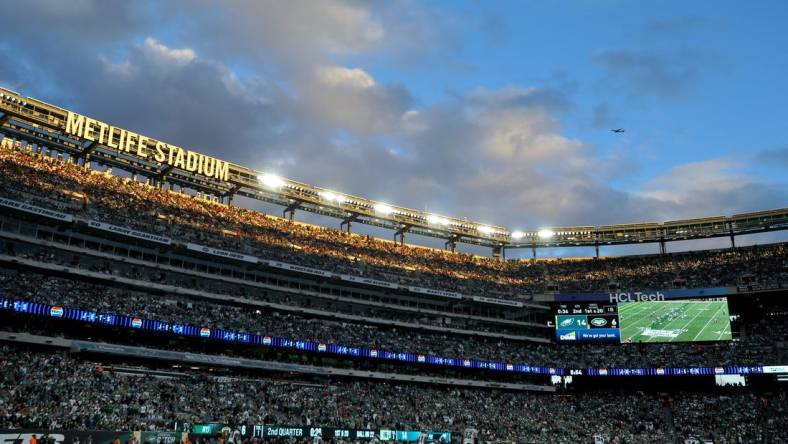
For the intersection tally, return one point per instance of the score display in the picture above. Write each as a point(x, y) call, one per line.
point(587, 322)
point(652, 321)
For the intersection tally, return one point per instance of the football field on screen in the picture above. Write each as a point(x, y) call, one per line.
point(674, 321)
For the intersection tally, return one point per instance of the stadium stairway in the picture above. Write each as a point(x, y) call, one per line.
point(667, 417)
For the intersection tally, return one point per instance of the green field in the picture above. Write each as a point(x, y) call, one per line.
point(674, 321)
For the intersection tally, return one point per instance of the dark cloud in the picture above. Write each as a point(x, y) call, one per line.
point(773, 158)
point(548, 98)
point(641, 73)
point(603, 118)
point(677, 27)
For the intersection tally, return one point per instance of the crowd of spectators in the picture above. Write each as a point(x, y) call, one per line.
point(128, 202)
point(759, 343)
point(466, 317)
point(56, 390)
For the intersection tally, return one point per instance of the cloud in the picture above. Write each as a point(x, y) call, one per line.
point(298, 34)
point(168, 57)
point(710, 187)
point(602, 116)
point(674, 27)
point(642, 73)
point(338, 76)
point(176, 95)
point(349, 99)
point(772, 158)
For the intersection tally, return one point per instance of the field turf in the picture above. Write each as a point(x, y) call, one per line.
point(674, 321)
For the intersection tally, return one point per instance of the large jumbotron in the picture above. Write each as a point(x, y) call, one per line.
point(87, 140)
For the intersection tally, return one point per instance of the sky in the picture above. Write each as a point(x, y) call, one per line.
point(493, 110)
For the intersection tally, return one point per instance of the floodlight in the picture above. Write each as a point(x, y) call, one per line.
point(437, 220)
point(517, 234)
point(484, 229)
point(546, 233)
point(383, 209)
point(331, 196)
point(271, 181)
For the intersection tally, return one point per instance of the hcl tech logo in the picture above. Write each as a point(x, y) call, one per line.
point(636, 296)
point(136, 322)
point(205, 332)
point(56, 311)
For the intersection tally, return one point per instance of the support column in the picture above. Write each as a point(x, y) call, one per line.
point(289, 212)
point(596, 249)
point(496, 253)
point(401, 233)
point(348, 221)
point(662, 247)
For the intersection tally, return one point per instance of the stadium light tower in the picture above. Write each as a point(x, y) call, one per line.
point(517, 235)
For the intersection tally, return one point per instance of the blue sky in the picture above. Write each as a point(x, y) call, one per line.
point(495, 111)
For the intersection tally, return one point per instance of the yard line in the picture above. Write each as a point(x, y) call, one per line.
point(707, 322)
point(633, 324)
point(693, 306)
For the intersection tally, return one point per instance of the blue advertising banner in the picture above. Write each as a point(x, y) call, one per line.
point(588, 335)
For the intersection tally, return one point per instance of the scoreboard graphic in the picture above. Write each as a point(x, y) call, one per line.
point(587, 322)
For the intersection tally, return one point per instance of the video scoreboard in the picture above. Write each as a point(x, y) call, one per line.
point(587, 322)
point(627, 321)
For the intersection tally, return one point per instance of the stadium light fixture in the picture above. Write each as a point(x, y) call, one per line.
point(517, 235)
point(484, 229)
point(271, 181)
point(545, 234)
point(383, 209)
point(437, 220)
point(332, 197)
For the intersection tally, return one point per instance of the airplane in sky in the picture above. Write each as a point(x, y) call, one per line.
point(618, 130)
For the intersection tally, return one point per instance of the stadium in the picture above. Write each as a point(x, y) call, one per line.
point(143, 299)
